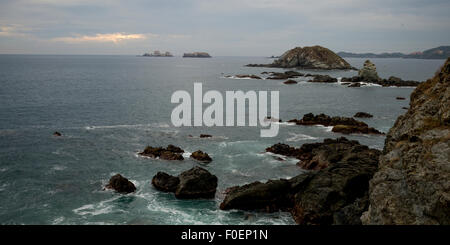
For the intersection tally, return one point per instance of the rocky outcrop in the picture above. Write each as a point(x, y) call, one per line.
point(284, 75)
point(57, 134)
point(323, 79)
point(390, 82)
point(316, 156)
point(120, 184)
point(333, 195)
point(205, 136)
point(170, 153)
point(165, 182)
point(194, 183)
point(315, 57)
point(412, 185)
point(244, 76)
point(369, 72)
point(345, 125)
point(363, 115)
point(201, 156)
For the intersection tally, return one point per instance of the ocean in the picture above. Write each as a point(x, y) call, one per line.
point(109, 108)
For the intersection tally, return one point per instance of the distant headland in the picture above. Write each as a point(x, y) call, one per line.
point(442, 52)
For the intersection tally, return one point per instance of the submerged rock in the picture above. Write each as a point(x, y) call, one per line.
point(412, 185)
point(205, 136)
point(201, 156)
point(120, 184)
point(363, 115)
point(333, 195)
point(290, 82)
point(400, 98)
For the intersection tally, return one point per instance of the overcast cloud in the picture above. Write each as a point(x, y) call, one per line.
point(232, 27)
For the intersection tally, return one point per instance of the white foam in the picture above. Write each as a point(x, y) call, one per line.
point(327, 128)
point(151, 125)
point(299, 137)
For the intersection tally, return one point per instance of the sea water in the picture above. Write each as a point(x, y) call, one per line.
point(109, 108)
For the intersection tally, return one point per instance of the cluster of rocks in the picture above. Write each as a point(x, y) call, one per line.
point(170, 153)
point(345, 125)
point(194, 183)
point(315, 57)
point(316, 156)
point(323, 79)
point(368, 74)
point(337, 193)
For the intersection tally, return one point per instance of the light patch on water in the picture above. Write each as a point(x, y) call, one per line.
point(237, 172)
point(58, 167)
point(299, 137)
point(151, 125)
point(58, 220)
point(186, 154)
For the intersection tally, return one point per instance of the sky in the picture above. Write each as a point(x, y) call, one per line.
point(221, 27)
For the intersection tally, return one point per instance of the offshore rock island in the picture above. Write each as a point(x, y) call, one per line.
point(196, 55)
point(315, 57)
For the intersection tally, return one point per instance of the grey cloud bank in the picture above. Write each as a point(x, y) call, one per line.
point(245, 27)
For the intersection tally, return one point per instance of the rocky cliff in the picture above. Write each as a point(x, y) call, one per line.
point(315, 57)
point(412, 185)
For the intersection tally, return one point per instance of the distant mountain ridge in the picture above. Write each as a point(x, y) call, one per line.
point(441, 52)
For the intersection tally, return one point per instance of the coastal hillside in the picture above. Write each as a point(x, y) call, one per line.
point(315, 57)
point(441, 52)
point(412, 184)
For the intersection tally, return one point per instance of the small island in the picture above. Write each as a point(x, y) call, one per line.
point(315, 57)
point(158, 54)
point(196, 55)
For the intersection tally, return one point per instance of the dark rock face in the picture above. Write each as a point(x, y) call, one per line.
point(412, 183)
point(363, 115)
point(315, 57)
point(194, 183)
point(355, 85)
point(120, 184)
point(333, 195)
point(205, 136)
point(290, 82)
point(201, 156)
point(170, 153)
point(57, 134)
point(316, 156)
point(350, 129)
point(165, 182)
point(344, 125)
point(323, 79)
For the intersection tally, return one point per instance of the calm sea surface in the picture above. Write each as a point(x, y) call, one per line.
point(108, 108)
